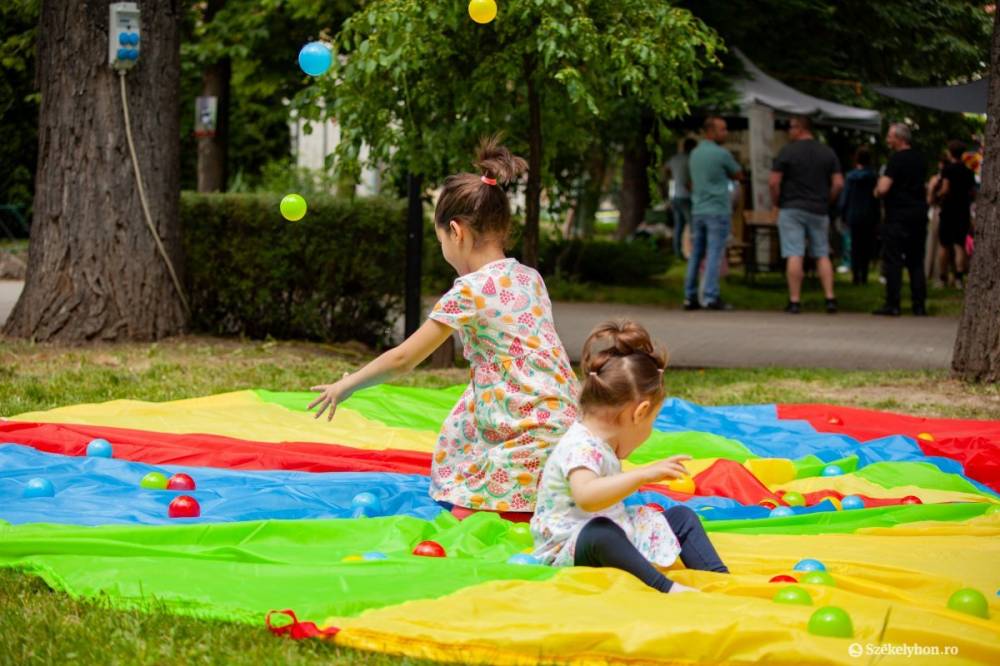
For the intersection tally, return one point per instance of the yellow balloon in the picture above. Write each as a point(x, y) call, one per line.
point(483, 11)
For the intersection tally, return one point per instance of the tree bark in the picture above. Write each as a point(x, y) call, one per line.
point(533, 193)
point(977, 347)
point(94, 271)
point(635, 179)
point(213, 151)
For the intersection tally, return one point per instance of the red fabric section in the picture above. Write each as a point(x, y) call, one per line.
point(156, 448)
point(298, 630)
point(975, 444)
point(723, 478)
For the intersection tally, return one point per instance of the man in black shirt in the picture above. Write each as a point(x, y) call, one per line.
point(957, 188)
point(905, 230)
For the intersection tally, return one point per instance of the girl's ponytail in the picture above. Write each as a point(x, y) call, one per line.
point(620, 363)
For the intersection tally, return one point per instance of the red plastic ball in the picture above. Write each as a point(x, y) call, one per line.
point(184, 506)
point(768, 503)
point(180, 482)
point(655, 507)
point(429, 549)
point(911, 499)
point(835, 420)
point(782, 578)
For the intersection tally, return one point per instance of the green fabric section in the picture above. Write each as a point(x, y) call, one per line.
point(695, 444)
point(925, 475)
point(239, 571)
point(833, 522)
point(400, 406)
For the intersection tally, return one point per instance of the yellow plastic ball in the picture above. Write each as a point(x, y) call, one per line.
point(353, 558)
point(293, 207)
point(926, 436)
point(685, 484)
point(483, 11)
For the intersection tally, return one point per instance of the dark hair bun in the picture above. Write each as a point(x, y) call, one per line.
point(618, 339)
point(621, 363)
point(496, 161)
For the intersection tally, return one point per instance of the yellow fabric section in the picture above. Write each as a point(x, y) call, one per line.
point(240, 414)
point(894, 584)
point(848, 484)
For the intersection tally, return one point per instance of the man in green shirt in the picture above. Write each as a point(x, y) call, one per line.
point(711, 167)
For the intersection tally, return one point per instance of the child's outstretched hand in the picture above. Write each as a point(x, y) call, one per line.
point(331, 396)
point(668, 468)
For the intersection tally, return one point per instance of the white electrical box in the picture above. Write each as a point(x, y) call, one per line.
point(123, 35)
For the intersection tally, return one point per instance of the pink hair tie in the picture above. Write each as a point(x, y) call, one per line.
point(488, 180)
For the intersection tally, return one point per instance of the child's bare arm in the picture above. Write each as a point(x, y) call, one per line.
point(594, 493)
point(396, 361)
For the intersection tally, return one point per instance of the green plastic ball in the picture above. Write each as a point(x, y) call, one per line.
point(818, 578)
point(293, 207)
point(793, 498)
point(969, 601)
point(831, 621)
point(154, 481)
point(792, 594)
point(520, 533)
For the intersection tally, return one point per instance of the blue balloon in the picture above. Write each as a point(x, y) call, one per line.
point(809, 564)
point(781, 511)
point(315, 58)
point(374, 555)
point(99, 448)
point(39, 488)
point(832, 470)
point(523, 558)
point(366, 504)
point(852, 502)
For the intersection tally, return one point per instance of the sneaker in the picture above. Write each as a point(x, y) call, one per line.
point(718, 304)
point(886, 311)
point(793, 307)
point(691, 305)
point(919, 311)
point(831, 306)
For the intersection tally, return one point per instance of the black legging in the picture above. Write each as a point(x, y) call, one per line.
point(601, 543)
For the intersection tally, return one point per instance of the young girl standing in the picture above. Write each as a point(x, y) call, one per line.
point(580, 518)
point(522, 394)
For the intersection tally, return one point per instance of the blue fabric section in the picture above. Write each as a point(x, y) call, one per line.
point(101, 491)
point(759, 429)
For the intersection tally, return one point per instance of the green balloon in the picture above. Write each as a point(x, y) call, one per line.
point(970, 602)
point(792, 594)
point(154, 481)
point(818, 578)
point(793, 498)
point(293, 207)
point(831, 621)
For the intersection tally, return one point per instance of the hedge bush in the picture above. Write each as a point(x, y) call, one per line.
point(337, 274)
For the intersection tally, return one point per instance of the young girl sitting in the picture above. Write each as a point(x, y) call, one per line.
point(580, 518)
point(522, 394)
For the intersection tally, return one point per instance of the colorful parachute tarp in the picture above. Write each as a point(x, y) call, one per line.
point(277, 531)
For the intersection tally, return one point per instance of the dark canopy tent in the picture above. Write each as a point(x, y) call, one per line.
point(962, 98)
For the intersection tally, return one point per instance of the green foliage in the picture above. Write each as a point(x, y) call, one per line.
point(603, 262)
point(18, 101)
point(334, 275)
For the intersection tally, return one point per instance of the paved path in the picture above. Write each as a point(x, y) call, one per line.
point(9, 292)
point(750, 339)
point(754, 339)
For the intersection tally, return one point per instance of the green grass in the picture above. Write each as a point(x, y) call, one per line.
point(39, 626)
point(769, 292)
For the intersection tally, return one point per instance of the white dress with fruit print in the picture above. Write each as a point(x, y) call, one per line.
point(522, 395)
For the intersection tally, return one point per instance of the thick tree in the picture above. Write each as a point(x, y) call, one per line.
point(977, 347)
point(94, 269)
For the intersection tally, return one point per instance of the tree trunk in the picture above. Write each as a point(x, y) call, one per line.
point(213, 151)
point(635, 179)
point(591, 190)
point(414, 254)
point(533, 193)
point(94, 271)
point(977, 347)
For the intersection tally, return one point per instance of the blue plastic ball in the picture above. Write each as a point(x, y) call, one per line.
point(99, 448)
point(39, 488)
point(374, 555)
point(522, 558)
point(852, 502)
point(832, 470)
point(366, 504)
point(315, 58)
point(809, 564)
point(781, 512)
